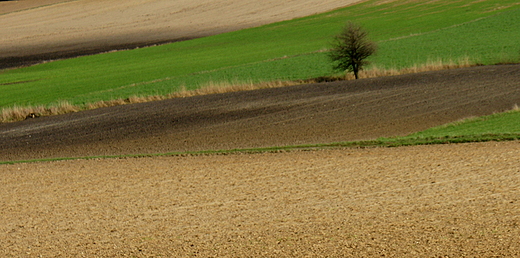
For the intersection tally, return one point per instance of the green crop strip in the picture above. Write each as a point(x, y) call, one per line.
point(507, 123)
point(408, 32)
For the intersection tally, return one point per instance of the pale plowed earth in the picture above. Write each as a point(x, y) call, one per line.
point(423, 201)
point(305, 114)
point(36, 30)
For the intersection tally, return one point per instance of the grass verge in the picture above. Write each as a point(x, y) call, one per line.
point(62, 107)
point(388, 143)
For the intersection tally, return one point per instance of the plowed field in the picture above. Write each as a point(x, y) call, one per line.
point(305, 114)
point(424, 201)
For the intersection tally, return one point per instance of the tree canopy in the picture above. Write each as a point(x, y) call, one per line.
point(351, 48)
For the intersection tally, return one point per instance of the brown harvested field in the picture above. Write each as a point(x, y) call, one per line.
point(423, 201)
point(36, 30)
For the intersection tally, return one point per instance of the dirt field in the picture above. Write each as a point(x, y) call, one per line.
point(35, 30)
point(424, 201)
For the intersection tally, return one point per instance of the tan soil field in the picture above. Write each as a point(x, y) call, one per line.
point(423, 201)
point(34, 30)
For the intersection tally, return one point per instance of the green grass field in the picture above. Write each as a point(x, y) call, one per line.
point(408, 33)
point(501, 123)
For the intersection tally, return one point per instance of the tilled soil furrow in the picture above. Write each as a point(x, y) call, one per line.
point(303, 114)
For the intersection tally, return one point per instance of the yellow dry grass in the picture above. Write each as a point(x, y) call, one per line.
point(437, 65)
point(19, 113)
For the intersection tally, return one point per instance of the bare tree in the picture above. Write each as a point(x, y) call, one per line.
point(351, 48)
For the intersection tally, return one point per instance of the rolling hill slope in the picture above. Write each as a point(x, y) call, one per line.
point(409, 33)
point(305, 114)
point(34, 30)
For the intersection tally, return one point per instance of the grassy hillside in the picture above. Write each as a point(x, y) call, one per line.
point(408, 32)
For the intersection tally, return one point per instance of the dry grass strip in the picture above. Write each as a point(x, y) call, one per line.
point(16, 113)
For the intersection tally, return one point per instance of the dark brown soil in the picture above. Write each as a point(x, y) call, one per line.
point(305, 114)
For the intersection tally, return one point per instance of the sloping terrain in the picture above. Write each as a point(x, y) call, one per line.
point(305, 114)
point(34, 30)
point(422, 201)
